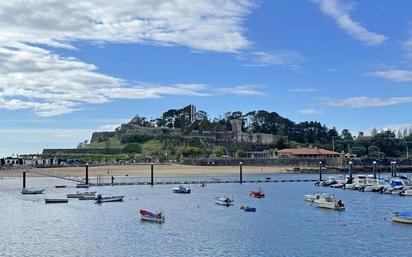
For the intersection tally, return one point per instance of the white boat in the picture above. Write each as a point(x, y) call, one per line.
point(181, 190)
point(80, 194)
point(406, 192)
point(312, 198)
point(329, 201)
point(157, 217)
point(108, 199)
point(375, 186)
point(402, 217)
point(26, 191)
point(56, 200)
point(223, 200)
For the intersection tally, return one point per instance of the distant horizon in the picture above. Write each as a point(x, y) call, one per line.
point(78, 68)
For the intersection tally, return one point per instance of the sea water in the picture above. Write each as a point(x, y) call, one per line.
point(283, 224)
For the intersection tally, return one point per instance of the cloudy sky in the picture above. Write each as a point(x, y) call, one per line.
point(68, 68)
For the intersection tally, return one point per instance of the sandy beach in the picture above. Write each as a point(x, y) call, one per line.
point(159, 170)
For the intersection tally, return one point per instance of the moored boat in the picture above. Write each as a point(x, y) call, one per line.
point(49, 200)
point(406, 192)
point(402, 217)
point(81, 194)
point(26, 191)
point(312, 198)
point(329, 201)
point(151, 216)
point(108, 199)
point(60, 186)
point(181, 190)
point(257, 194)
point(248, 208)
point(223, 200)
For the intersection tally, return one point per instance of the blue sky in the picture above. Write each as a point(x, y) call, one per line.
point(72, 68)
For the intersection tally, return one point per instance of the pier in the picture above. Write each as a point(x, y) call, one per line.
point(128, 180)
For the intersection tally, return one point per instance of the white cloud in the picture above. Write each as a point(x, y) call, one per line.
point(245, 90)
point(283, 58)
point(34, 78)
point(310, 111)
point(203, 25)
point(37, 79)
point(340, 13)
point(395, 75)
point(363, 101)
point(304, 90)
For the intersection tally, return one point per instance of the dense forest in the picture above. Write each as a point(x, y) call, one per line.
point(381, 143)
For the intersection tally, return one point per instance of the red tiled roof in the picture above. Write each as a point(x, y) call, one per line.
point(308, 151)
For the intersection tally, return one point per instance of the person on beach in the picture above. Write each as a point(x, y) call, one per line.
point(112, 179)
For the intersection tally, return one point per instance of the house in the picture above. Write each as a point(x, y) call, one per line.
point(307, 152)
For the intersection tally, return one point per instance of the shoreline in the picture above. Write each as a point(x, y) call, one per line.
point(172, 170)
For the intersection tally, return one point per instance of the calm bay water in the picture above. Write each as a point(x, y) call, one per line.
point(284, 224)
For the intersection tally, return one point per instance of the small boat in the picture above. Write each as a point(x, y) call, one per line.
point(267, 178)
point(56, 200)
point(60, 186)
point(248, 208)
point(108, 199)
point(223, 200)
point(329, 201)
point(402, 217)
point(312, 198)
point(82, 185)
point(79, 194)
point(257, 194)
point(406, 192)
point(151, 216)
point(181, 190)
point(32, 191)
point(337, 185)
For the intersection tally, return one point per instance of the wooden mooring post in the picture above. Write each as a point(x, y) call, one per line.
point(240, 172)
point(24, 179)
point(320, 171)
point(350, 172)
point(87, 173)
point(151, 174)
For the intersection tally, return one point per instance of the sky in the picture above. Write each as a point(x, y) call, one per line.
point(68, 68)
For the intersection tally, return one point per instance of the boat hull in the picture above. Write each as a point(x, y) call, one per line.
point(331, 206)
point(32, 192)
point(396, 218)
point(56, 200)
point(110, 199)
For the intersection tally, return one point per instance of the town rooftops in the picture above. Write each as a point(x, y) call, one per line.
point(306, 151)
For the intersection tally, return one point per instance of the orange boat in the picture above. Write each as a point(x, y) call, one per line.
point(257, 194)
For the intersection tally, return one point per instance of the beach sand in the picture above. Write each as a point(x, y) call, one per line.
point(159, 170)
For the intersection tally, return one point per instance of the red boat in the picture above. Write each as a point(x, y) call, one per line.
point(151, 216)
point(257, 194)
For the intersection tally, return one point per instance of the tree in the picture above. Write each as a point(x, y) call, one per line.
point(132, 148)
point(219, 152)
point(240, 153)
point(359, 151)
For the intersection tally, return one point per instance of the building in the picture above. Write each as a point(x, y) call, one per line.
point(307, 152)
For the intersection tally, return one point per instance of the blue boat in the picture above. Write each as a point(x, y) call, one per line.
point(402, 217)
point(248, 209)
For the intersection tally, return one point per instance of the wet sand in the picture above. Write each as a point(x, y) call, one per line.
point(159, 170)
